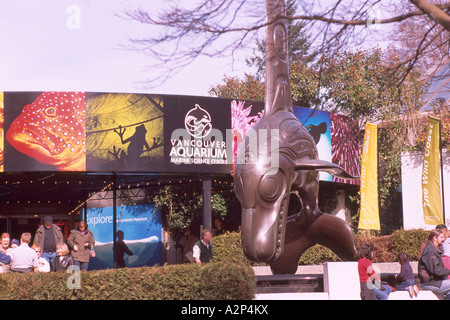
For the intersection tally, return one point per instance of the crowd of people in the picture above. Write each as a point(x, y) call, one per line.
point(48, 251)
point(433, 269)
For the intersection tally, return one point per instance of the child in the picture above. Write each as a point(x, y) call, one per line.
point(406, 277)
point(44, 265)
point(15, 243)
point(63, 259)
point(369, 290)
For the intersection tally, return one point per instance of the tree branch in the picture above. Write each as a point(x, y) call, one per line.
point(186, 34)
point(436, 13)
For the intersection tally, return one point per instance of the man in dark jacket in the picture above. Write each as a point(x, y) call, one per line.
point(47, 237)
point(432, 273)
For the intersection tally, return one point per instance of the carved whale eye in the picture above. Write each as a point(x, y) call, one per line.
point(271, 186)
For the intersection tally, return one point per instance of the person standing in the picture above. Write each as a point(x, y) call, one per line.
point(202, 249)
point(187, 242)
point(23, 258)
point(121, 249)
point(217, 230)
point(82, 242)
point(47, 237)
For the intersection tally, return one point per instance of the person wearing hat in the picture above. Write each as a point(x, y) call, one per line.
point(47, 237)
point(15, 243)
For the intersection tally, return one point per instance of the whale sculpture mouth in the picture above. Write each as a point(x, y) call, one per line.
point(263, 231)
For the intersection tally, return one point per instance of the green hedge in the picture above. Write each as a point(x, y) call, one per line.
point(228, 277)
point(227, 247)
point(409, 242)
point(386, 248)
point(213, 281)
point(317, 255)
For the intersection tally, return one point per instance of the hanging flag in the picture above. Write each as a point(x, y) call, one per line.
point(369, 214)
point(431, 186)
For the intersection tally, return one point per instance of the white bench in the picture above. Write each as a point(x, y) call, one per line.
point(292, 296)
point(404, 295)
point(341, 282)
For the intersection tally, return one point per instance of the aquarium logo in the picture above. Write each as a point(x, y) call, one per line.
point(198, 122)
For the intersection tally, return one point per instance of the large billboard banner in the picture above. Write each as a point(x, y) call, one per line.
point(133, 133)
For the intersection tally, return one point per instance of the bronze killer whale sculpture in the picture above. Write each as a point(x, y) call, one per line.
point(278, 162)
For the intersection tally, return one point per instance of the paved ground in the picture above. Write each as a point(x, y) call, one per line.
point(385, 267)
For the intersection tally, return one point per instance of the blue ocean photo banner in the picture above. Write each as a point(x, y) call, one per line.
point(139, 227)
point(318, 125)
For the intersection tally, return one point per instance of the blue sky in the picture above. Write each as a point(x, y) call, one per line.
point(76, 45)
point(69, 45)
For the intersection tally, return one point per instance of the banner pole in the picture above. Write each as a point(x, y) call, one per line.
point(114, 220)
point(442, 172)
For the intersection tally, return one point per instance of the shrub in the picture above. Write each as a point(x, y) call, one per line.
point(317, 255)
point(212, 281)
point(409, 241)
point(227, 248)
point(386, 248)
point(382, 247)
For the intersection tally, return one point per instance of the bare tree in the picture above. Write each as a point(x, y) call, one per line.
point(218, 28)
point(421, 40)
